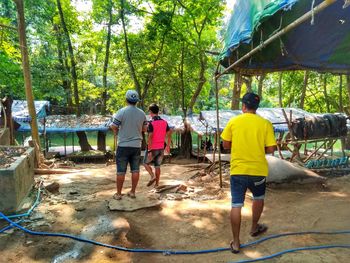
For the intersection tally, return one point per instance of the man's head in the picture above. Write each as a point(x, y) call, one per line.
point(154, 109)
point(250, 101)
point(132, 97)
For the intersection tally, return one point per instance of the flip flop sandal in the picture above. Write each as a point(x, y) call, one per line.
point(151, 182)
point(260, 229)
point(131, 195)
point(234, 251)
point(117, 196)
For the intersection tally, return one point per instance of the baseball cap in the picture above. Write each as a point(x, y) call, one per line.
point(251, 99)
point(132, 96)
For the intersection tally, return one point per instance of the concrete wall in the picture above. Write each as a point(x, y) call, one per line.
point(16, 182)
point(4, 136)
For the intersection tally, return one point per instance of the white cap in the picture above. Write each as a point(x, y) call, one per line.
point(132, 96)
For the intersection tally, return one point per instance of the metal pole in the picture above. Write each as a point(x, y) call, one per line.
point(291, 26)
point(217, 123)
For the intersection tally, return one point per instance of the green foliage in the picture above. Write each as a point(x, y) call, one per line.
point(168, 43)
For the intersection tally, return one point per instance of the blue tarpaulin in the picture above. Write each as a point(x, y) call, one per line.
point(323, 45)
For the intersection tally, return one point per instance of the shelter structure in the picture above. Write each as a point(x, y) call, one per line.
point(293, 128)
point(278, 35)
point(266, 36)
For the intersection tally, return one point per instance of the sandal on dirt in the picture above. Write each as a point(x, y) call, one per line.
point(131, 195)
point(233, 250)
point(117, 196)
point(151, 182)
point(260, 229)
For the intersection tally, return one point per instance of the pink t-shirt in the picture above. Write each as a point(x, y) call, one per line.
point(158, 127)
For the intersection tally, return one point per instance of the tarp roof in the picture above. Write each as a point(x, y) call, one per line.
point(274, 115)
point(20, 111)
point(72, 123)
point(323, 46)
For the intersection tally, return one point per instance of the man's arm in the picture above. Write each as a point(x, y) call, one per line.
point(149, 141)
point(114, 128)
point(270, 149)
point(226, 144)
point(168, 134)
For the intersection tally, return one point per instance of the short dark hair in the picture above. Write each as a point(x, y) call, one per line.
point(251, 100)
point(154, 108)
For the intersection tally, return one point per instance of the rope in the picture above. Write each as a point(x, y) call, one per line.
point(312, 13)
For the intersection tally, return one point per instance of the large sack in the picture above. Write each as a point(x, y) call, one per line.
point(281, 171)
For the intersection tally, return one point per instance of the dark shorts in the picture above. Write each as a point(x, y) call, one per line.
point(240, 184)
point(157, 158)
point(127, 155)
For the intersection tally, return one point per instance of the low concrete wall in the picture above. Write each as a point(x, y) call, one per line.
point(4, 136)
point(16, 182)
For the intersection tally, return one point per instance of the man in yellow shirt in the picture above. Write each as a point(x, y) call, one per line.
point(250, 137)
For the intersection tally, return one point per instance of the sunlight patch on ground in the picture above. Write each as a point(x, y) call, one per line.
point(204, 223)
point(188, 206)
point(253, 254)
point(336, 194)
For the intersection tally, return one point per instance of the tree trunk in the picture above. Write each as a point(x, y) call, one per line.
point(325, 92)
point(7, 103)
point(101, 141)
point(260, 85)
point(303, 91)
point(280, 103)
point(201, 82)
point(83, 141)
point(236, 92)
point(105, 65)
point(181, 75)
point(27, 76)
point(128, 56)
point(64, 71)
point(248, 82)
point(72, 59)
point(186, 142)
point(341, 109)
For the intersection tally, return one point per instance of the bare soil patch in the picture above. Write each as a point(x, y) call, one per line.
point(195, 218)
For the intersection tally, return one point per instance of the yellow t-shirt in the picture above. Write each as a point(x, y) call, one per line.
point(249, 134)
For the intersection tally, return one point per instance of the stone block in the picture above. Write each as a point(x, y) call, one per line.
point(16, 181)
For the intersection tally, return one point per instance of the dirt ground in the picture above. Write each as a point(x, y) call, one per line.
point(197, 219)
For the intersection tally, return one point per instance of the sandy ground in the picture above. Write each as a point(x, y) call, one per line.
point(196, 223)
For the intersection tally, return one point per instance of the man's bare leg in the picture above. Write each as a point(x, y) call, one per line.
point(120, 182)
point(157, 176)
point(236, 226)
point(257, 209)
point(149, 170)
point(134, 181)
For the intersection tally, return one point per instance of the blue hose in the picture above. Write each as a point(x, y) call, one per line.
point(290, 251)
point(164, 252)
point(36, 203)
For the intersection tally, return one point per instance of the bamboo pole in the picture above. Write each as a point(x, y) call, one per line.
point(27, 76)
point(283, 31)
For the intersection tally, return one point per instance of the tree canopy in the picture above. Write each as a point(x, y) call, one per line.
point(84, 55)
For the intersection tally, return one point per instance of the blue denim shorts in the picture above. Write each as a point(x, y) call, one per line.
point(240, 184)
point(157, 157)
point(127, 155)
